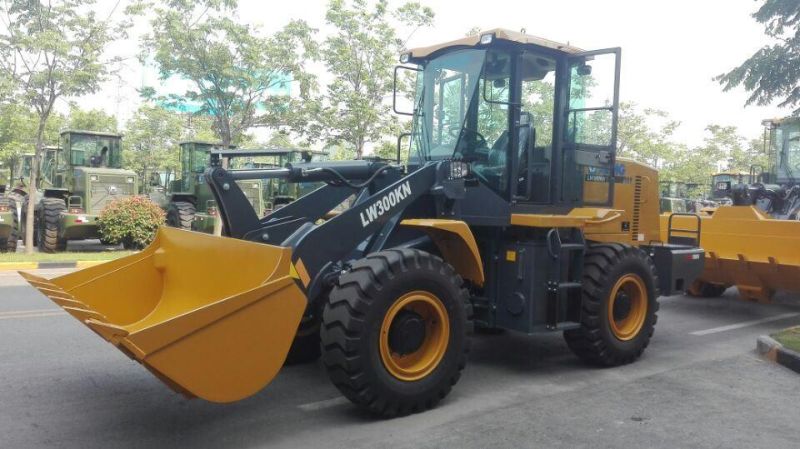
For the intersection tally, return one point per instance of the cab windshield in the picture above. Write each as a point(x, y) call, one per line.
point(445, 89)
point(94, 151)
point(791, 134)
point(462, 112)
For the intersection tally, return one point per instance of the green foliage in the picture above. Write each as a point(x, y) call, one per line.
point(18, 126)
point(360, 54)
point(132, 221)
point(230, 67)
point(91, 120)
point(646, 135)
point(53, 49)
point(151, 141)
point(773, 72)
point(388, 150)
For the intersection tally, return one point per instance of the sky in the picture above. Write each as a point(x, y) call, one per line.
point(671, 49)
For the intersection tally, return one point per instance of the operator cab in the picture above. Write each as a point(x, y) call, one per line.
point(534, 119)
point(91, 149)
point(783, 139)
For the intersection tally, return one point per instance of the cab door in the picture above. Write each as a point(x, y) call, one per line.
point(590, 129)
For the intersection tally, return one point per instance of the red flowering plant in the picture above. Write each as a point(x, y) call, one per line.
point(132, 221)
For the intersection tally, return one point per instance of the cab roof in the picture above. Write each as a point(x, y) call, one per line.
point(781, 121)
point(499, 33)
point(90, 133)
point(203, 142)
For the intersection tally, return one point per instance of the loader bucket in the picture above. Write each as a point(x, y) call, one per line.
point(212, 317)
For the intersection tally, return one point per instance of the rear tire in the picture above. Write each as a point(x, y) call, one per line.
point(618, 306)
point(701, 289)
point(394, 332)
point(50, 214)
point(180, 214)
point(10, 245)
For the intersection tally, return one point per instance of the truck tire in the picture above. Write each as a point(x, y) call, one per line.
point(618, 305)
point(394, 332)
point(180, 214)
point(49, 215)
point(9, 245)
point(701, 289)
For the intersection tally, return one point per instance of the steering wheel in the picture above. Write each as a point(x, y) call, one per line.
point(462, 132)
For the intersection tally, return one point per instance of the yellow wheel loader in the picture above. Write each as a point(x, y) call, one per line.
point(754, 244)
point(511, 213)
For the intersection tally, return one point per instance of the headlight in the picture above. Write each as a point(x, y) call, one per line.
point(487, 39)
point(405, 57)
point(93, 178)
point(458, 169)
point(255, 185)
point(129, 180)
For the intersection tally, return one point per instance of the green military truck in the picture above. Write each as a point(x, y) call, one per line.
point(9, 217)
point(189, 202)
point(77, 183)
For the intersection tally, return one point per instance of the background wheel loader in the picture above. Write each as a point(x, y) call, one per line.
point(188, 202)
point(78, 179)
point(753, 244)
point(512, 213)
point(9, 218)
point(14, 195)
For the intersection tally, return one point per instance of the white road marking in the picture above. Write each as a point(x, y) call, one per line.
point(319, 405)
point(41, 313)
point(28, 312)
point(731, 327)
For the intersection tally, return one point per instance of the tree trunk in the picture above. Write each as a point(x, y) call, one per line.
point(359, 148)
point(32, 191)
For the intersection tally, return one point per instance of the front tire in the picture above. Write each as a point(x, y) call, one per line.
point(180, 214)
point(394, 332)
point(50, 216)
point(9, 245)
point(618, 306)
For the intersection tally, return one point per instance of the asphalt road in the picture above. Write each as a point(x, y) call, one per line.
point(698, 385)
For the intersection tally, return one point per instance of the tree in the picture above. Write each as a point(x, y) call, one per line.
point(91, 120)
point(151, 141)
point(360, 54)
point(646, 135)
point(51, 50)
point(232, 70)
point(18, 125)
point(773, 72)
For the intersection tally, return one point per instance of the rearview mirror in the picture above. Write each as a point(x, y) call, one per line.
point(394, 89)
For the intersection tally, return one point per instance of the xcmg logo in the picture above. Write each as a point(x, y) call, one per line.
point(385, 203)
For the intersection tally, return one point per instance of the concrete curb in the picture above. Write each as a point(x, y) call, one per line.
point(15, 266)
point(776, 352)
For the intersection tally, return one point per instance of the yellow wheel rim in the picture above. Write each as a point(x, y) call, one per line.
point(627, 307)
point(425, 358)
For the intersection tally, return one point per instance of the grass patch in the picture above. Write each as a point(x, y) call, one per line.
point(63, 257)
point(789, 338)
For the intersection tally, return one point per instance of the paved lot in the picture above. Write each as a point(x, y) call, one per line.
point(698, 385)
